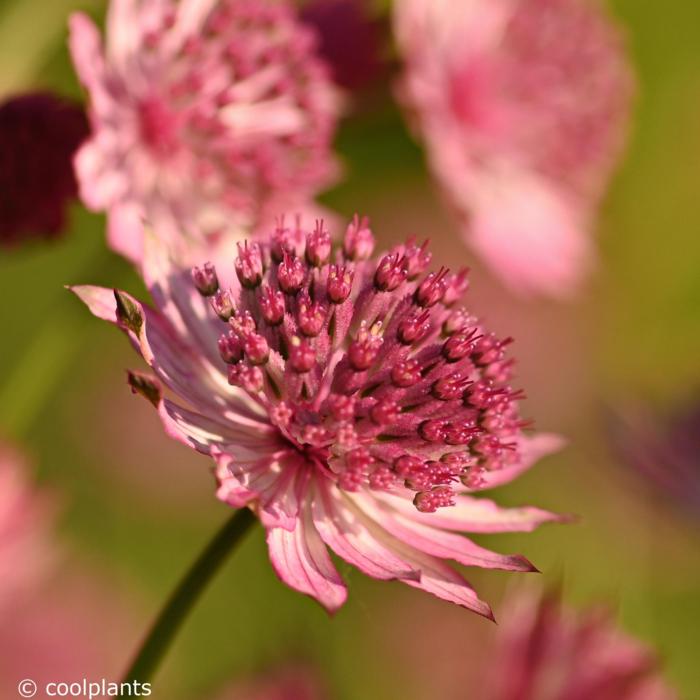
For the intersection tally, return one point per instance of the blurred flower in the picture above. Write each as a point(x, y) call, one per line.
point(76, 626)
point(359, 409)
point(39, 133)
point(24, 520)
point(553, 653)
point(214, 113)
point(53, 614)
point(293, 682)
point(665, 450)
point(350, 39)
point(523, 106)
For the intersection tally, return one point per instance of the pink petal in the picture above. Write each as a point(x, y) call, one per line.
point(177, 364)
point(531, 450)
point(475, 515)
point(441, 544)
point(301, 560)
point(99, 300)
point(101, 183)
point(125, 232)
point(533, 237)
point(230, 490)
point(276, 482)
point(444, 582)
point(353, 537)
point(85, 47)
point(191, 15)
point(202, 433)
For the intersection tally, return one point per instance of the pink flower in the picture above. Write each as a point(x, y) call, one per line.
point(554, 653)
point(213, 113)
point(24, 514)
point(522, 105)
point(348, 401)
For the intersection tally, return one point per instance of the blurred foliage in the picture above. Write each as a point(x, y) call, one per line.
point(142, 507)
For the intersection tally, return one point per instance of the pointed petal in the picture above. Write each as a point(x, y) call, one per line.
point(202, 433)
point(531, 450)
point(531, 235)
point(471, 514)
point(444, 582)
point(354, 537)
point(301, 560)
point(177, 364)
point(125, 232)
point(438, 543)
point(85, 47)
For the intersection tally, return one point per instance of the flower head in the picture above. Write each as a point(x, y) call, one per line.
point(352, 404)
point(552, 651)
point(39, 133)
point(215, 113)
point(522, 105)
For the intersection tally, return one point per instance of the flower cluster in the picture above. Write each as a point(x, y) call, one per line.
point(216, 114)
point(522, 105)
point(350, 401)
point(369, 370)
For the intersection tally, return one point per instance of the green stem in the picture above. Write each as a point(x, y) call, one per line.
point(183, 598)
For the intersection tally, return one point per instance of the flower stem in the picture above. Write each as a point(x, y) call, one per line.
point(183, 598)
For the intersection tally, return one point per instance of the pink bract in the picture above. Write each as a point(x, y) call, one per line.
point(553, 652)
point(349, 401)
point(522, 105)
point(215, 114)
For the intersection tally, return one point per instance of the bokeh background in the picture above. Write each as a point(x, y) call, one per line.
point(135, 507)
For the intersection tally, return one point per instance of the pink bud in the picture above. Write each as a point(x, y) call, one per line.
point(339, 283)
point(205, 279)
point(290, 274)
point(249, 265)
point(359, 240)
point(271, 306)
point(318, 246)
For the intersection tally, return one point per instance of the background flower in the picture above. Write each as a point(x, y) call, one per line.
point(551, 652)
point(39, 133)
point(216, 115)
point(59, 621)
point(351, 39)
point(522, 106)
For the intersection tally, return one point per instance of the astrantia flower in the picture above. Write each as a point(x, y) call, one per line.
point(663, 449)
point(552, 652)
point(522, 105)
point(349, 401)
point(39, 133)
point(214, 113)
